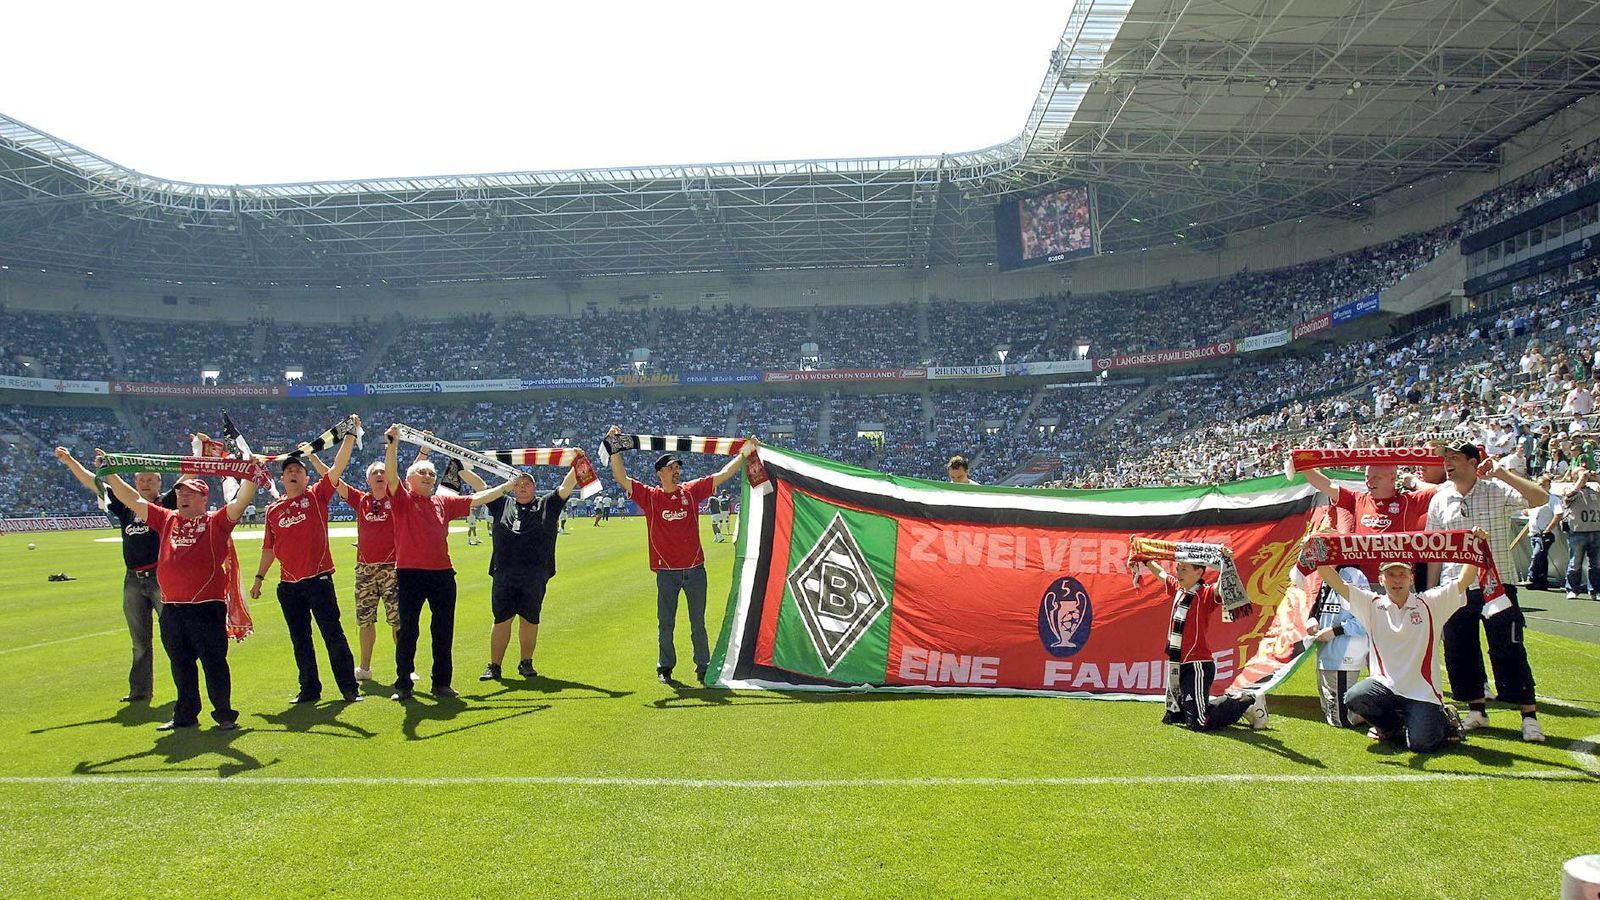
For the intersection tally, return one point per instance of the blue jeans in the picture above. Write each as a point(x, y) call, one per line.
point(1580, 543)
point(1420, 724)
point(692, 582)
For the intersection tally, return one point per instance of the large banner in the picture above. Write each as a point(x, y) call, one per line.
point(850, 579)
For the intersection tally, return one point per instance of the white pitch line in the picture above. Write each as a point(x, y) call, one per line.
point(1584, 752)
point(786, 784)
point(61, 641)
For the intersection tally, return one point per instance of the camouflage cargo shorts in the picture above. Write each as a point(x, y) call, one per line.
point(375, 582)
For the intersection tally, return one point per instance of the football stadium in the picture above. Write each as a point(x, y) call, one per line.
point(1189, 495)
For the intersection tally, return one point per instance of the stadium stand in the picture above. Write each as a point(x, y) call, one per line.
point(1522, 358)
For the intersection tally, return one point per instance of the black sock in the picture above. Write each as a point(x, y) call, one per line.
point(1531, 714)
point(1481, 706)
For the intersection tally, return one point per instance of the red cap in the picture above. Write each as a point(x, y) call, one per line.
point(198, 485)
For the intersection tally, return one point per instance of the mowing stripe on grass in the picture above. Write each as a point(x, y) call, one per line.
point(80, 637)
point(787, 784)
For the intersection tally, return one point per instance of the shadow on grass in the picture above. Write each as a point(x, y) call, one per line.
point(174, 749)
point(1260, 740)
point(304, 718)
point(131, 715)
point(549, 689)
point(1481, 749)
point(446, 709)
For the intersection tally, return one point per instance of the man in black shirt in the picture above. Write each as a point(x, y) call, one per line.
point(522, 560)
point(141, 596)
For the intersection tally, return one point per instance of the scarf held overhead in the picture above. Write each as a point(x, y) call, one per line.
point(1303, 458)
point(582, 469)
point(201, 466)
point(1338, 550)
point(755, 473)
point(505, 462)
point(1229, 586)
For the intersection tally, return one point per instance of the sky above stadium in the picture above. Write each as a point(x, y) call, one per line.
point(252, 94)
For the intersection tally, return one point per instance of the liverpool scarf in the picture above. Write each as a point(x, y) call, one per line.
point(199, 466)
point(1332, 549)
point(755, 473)
point(1229, 586)
point(1301, 459)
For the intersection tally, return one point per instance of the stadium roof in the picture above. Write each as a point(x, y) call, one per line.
point(1193, 118)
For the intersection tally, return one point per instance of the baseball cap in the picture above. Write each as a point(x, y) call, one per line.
point(664, 460)
point(198, 485)
point(1467, 448)
point(293, 461)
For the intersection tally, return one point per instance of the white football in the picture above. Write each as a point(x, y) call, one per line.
point(30, 546)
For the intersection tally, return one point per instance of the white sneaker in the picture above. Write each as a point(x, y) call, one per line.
point(1531, 731)
point(414, 678)
point(1572, 595)
point(363, 674)
point(1256, 715)
point(1474, 720)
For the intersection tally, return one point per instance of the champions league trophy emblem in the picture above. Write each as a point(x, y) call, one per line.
point(1065, 617)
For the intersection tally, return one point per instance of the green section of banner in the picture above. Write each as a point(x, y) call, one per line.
point(741, 550)
point(842, 562)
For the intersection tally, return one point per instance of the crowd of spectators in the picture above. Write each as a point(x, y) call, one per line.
point(710, 337)
point(32, 481)
point(1567, 173)
point(40, 345)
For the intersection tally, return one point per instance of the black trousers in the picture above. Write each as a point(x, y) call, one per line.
point(1508, 655)
point(1420, 725)
point(192, 632)
point(436, 589)
point(314, 598)
point(1191, 704)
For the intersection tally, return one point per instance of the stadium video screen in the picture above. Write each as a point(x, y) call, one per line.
point(1044, 228)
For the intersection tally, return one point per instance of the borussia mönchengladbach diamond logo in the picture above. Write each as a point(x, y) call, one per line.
point(838, 596)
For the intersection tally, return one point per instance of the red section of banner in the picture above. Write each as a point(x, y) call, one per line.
point(981, 606)
point(782, 534)
point(1312, 326)
point(1165, 357)
point(912, 373)
point(145, 389)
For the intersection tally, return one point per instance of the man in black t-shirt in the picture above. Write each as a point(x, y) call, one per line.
point(522, 560)
point(141, 596)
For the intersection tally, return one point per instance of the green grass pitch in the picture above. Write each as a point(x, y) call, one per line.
point(696, 792)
